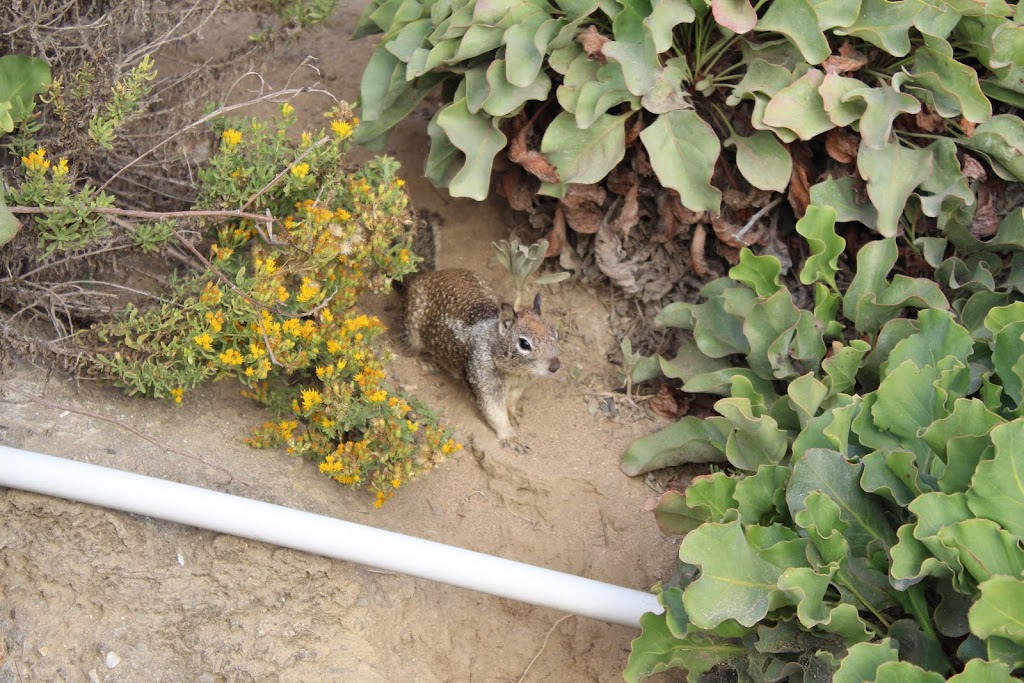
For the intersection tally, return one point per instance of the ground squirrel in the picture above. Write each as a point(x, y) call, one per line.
point(453, 317)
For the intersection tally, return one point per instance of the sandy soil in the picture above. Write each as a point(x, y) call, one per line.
point(87, 594)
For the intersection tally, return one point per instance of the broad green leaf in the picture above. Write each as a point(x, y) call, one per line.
point(997, 490)
point(657, 649)
point(760, 273)
point(893, 173)
point(736, 15)
point(961, 439)
point(806, 395)
point(691, 439)
point(762, 496)
point(761, 76)
point(842, 366)
point(720, 382)
point(754, 441)
point(585, 156)
point(954, 86)
point(770, 328)
point(946, 180)
point(667, 93)
point(883, 104)
point(826, 306)
point(797, 20)
point(373, 134)
point(799, 107)
point(711, 495)
point(683, 149)
point(980, 671)
point(1007, 326)
point(689, 362)
point(736, 582)
point(905, 672)
point(1001, 138)
point(841, 110)
point(879, 478)
point(665, 16)
point(21, 79)
point(479, 141)
point(718, 331)
point(375, 84)
point(581, 71)
point(504, 98)
point(998, 611)
point(763, 160)
point(807, 588)
point(832, 13)
point(985, 549)
point(576, 9)
point(525, 47)
point(884, 24)
point(830, 473)
point(863, 659)
point(597, 96)
point(478, 40)
point(841, 194)
point(8, 223)
point(818, 228)
point(409, 39)
point(674, 517)
point(639, 62)
point(937, 337)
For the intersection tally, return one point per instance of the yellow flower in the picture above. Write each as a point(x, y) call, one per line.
point(396, 483)
point(204, 341)
point(36, 160)
point(287, 109)
point(378, 396)
point(270, 265)
point(307, 138)
point(231, 357)
point(177, 393)
point(341, 128)
point(342, 215)
point(249, 372)
point(310, 398)
point(399, 183)
point(282, 294)
point(300, 170)
point(231, 137)
point(308, 290)
point(61, 169)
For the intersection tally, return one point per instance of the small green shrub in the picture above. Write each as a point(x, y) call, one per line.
point(675, 83)
point(870, 525)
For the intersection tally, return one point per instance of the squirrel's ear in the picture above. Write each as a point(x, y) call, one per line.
point(536, 304)
point(506, 316)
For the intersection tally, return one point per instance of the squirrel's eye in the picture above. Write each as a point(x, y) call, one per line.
point(524, 344)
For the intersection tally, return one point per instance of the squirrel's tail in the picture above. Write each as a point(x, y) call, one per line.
point(423, 238)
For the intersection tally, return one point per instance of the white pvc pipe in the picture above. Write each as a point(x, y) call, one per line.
point(321, 535)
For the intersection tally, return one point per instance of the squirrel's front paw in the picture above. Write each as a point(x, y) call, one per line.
point(515, 445)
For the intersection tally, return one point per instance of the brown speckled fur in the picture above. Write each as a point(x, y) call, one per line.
point(453, 317)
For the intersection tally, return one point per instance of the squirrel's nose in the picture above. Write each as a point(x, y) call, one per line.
point(554, 365)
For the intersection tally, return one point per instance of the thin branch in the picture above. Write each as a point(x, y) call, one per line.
point(757, 216)
point(543, 645)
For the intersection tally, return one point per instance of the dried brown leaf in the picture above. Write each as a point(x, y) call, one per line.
point(620, 181)
point(630, 214)
point(967, 127)
point(515, 187)
point(986, 222)
point(592, 41)
point(670, 403)
point(556, 236)
point(929, 121)
point(533, 161)
point(799, 195)
point(697, 260)
point(848, 60)
point(582, 205)
point(841, 146)
point(730, 233)
point(634, 131)
point(973, 170)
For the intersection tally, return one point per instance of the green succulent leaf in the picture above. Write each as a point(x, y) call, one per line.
point(797, 20)
point(657, 649)
point(997, 612)
point(21, 79)
point(884, 24)
point(763, 160)
point(479, 141)
point(585, 156)
point(1001, 138)
point(893, 173)
point(736, 15)
point(818, 228)
point(737, 581)
point(760, 273)
point(9, 225)
point(882, 105)
point(683, 149)
point(997, 489)
point(691, 439)
point(954, 87)
point(799, 107)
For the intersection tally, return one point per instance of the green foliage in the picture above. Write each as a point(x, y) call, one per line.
point(276, 308)
point(871, 525)
point(21, 79)
point(123, 104)
point(694, 78)
point(522, 261)
point(304, 13)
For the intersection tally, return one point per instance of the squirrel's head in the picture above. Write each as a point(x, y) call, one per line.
point(528, 341)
